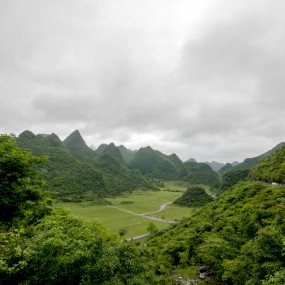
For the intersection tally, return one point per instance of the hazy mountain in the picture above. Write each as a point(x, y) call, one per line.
point(228, 166)
point(127, 154)
point(191, 160)
point(199, 173)
point(63, 172)
point(155, 164)
point(76, 144)
point(113, 151)
point(73, 169)
point(248, 163)
point(215, 165)
point(101, 148)
point(232, 175)
point(175, 160)
point(235, 163)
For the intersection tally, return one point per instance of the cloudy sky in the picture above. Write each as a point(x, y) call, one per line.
point(201, 78)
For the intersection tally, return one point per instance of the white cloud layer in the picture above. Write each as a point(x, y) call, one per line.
point(203, 79)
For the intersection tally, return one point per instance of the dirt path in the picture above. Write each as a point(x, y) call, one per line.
point(162, 207)
point(144, 215)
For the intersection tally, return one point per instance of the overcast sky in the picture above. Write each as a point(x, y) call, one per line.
point(203, 79)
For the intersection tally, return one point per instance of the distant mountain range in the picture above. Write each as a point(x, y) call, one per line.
point(74, 169)
point(231, 174)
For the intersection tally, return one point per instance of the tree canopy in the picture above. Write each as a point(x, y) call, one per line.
point(20, 185)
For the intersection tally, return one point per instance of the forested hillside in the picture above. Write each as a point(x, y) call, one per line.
point(237, 239)
point(272, 169)
point(155, 164)
point(74, 170)
point(230, 175)
point(199, 173)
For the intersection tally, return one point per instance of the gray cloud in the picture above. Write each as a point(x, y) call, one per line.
point(182, 77)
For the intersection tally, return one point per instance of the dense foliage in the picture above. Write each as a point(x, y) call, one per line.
point(63, 172)
point(238, 238)
point(272, 169)
point(225, 168)
point(113, 151)
point(46, 245)
point(127, 154)
point(194, 196)
point(154, 164)
point(20, 185)
point(232, 177)
point(74, 170)
point(199, 173)
point(63, 249)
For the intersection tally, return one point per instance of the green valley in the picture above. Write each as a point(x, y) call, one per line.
point(199, 230)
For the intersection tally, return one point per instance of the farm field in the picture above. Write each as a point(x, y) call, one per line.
point(115, 217)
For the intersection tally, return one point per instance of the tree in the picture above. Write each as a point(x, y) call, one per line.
point(151, 228)
point(123, 231)
point(20, 185)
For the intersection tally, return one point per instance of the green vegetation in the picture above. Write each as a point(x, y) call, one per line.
point(75, 171)
point(113, 151)
point(194, 197)
point(62, 249)
point(272, 169)
point(154, 164)
point(232, 177)
point(44, 245)
point(199, 173)
point(238, 238)
point(114, 218)
point(225, 168)
point(20, 186)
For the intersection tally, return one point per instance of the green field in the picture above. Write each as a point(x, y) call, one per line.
point(138, 202)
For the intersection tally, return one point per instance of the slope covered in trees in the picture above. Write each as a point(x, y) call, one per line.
point(74, 170)
point(194, 197)
point(154, 164)
point(230, 174)
point(199, 173)
point(237, 239)
point(271, 169)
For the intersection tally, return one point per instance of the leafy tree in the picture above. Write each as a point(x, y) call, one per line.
point(151, 228)
point(123, 231)
point(20, 185)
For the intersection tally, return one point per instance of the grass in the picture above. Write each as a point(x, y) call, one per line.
point(138, 202)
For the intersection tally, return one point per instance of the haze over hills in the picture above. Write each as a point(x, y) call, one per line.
point(234, 239)
point(112, 169)
point(73, 169)
point(230, 174)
